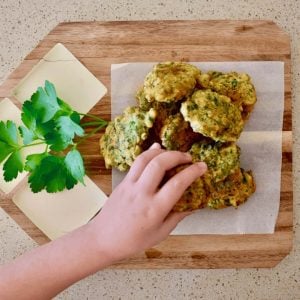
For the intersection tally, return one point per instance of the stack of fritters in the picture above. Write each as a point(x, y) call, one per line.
point(185, 110)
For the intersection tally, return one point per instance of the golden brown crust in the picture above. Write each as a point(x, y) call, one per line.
point(233, 191)
point(123, 137)
point(177, 134)
point(205, 192)
point(237, 86)
point(170, 81)
point(213, 115)
point(221, 159)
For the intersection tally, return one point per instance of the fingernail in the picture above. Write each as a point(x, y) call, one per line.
point(155, 146)
point(188, 155)
point(202, 165)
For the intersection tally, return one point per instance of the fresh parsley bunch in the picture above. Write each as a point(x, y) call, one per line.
point(50, 121)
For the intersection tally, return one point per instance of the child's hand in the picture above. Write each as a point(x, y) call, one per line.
point(137, 214)
point(135, 217)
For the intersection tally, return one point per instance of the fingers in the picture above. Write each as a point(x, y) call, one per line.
point(155, 146)
point(142, 160)
point(172, 191)
point(172, 220)
point(157, 167)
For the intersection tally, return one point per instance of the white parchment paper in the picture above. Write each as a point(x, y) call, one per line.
point(260, 143)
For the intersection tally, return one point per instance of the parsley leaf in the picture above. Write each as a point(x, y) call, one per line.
point(74, 164)
point(51, 172)
point(9, 133)
point(70, 182)
point(66, 129)
point(65, 107)
point(9, 147)
point(44, 102)
point(75, 117)
point(13, 166)
point(36, 179)
point(28, 115)
point(27, 135)
point(57, 127)
point(5, 150)
point(46, 173)
point(54, 173)
point(33, 161)
point(31, 121)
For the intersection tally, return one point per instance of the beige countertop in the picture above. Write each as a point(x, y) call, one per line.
point(24, 23)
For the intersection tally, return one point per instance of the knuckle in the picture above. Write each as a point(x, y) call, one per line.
point(141, 160)
point(155, 164)
point(148, 213)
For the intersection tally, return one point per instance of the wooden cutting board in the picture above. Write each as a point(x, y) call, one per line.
point(99, 44)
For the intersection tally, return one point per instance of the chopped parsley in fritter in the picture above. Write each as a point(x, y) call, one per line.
point(233, 191)
point(123, 138)
point(237, 86)
point(221, 159)
point(170, 81)
point(177, 134)
point(213, 115)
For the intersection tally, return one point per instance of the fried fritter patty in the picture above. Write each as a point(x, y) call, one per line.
point(213, 115)
point(233, 191)
point(195, 197)
point(177, 134)
point(221, 159)
point(143, 103)
point(123, 137)
point(237, 86)
point(163, 109)
point(170, 81)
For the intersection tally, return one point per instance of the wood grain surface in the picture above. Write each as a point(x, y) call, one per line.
point(99, 44)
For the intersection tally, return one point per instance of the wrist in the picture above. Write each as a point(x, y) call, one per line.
point(101, 248)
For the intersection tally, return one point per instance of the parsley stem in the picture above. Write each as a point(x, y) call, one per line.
point(90, 134)
point(34, 144)
point(92, 116)
point(93, 123)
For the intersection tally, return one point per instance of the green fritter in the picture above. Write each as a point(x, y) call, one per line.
point(221, 159)
point(170, 81)
point(233, 191)
point(203, 192)
point(123, 138)
point(164, 110)
point(143, 103)
point(177, 134)
point(195, 197)
point(213, 115)
point(237, 86)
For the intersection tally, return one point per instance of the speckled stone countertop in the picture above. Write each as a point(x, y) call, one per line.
point(24, 23)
